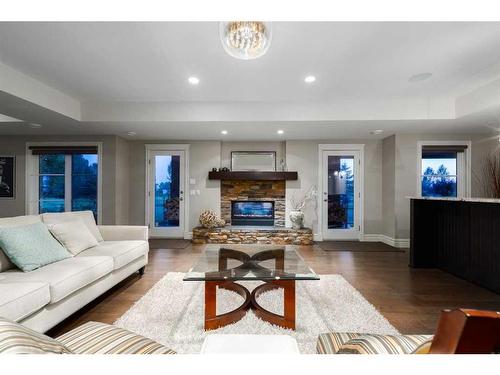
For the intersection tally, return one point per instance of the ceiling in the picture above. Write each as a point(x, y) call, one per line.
point(362, 75)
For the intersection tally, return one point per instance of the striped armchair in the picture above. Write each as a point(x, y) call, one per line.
point(90, 338)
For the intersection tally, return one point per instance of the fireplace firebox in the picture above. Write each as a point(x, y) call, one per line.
point(258, 213)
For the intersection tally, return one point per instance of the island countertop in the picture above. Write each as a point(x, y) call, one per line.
point(479, 200)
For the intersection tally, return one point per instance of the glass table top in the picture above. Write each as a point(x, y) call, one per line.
point(250, 262)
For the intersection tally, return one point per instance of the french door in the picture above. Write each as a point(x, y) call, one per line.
point(166, 203)
point(340, 200)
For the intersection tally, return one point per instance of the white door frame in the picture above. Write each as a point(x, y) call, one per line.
point(360, 148)
point(167, 147)
point(463, 165)
point(32, 170)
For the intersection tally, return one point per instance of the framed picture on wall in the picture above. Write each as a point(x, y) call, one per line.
point(7, 176)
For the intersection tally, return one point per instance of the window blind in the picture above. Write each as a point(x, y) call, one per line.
point(65, 150)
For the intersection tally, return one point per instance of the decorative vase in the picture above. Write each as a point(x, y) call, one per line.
point(297, 219)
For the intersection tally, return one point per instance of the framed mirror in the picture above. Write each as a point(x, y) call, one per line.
point(253, 161)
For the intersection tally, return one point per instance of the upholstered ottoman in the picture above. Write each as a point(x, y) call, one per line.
point(249, 344)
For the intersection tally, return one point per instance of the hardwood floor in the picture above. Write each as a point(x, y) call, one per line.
point(411, 299)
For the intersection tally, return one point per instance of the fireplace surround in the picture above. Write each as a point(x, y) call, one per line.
point(253, 191)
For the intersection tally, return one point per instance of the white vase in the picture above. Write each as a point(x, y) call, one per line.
point(297, 219)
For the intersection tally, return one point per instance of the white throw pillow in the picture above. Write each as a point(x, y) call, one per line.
point(73, 235)
point(86, 216)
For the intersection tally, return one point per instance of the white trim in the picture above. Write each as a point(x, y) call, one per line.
point(167, 147)
point(188, 235)
point(30, 165)
point(467, 175)
point(401, 243)
point(360, 148)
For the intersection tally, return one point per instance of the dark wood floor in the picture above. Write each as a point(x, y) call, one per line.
point(410, 299)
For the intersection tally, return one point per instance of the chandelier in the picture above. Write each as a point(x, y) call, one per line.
point(245, 40)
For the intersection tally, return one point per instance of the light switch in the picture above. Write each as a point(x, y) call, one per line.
point(197, 192)
point(192, 192)
point(192, 181)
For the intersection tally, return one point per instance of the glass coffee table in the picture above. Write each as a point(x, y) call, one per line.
point(221, 266)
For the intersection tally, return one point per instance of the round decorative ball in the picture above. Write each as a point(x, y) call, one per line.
point(209, 219)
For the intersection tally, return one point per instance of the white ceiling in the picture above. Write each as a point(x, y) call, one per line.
point(112, 63)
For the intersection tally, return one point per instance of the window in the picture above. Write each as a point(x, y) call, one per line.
point(63, 179)
point(442, 171)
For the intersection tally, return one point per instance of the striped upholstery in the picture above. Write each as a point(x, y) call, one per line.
point(330, 343)
point(355, 343)
point(17, 339)
point(100, 338)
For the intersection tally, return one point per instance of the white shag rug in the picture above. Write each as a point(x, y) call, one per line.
point(172, 312)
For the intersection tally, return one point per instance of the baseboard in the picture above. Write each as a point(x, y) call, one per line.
point(317, 237)
point(188, 235)
point(401, 243)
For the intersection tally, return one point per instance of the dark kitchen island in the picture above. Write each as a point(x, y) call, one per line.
point(459, 236)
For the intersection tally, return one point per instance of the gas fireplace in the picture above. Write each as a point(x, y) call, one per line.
point(258, 213)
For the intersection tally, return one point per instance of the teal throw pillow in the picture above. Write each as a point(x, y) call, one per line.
point(31, 246)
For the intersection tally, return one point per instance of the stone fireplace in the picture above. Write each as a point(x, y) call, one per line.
point(253, 207)
point(240, 191)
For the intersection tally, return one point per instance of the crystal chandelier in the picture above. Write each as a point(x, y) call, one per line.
point(246, 39)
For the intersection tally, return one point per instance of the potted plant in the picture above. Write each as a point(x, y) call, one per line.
point(296, 214)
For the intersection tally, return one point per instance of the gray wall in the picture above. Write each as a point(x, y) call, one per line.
point(16, 145)
point(122, 191)
point(388, 186)
point(203, 155)
point(406, 172)
point(302, 156)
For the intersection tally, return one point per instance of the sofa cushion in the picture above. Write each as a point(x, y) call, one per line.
point(5, 263)
point(17, 339)
point(360, 343)
point(122, 252)
point(31, 246)
point(330, 343)
point(383, 344)
point(19, 300)
point(86, 216)
point(66, 276)
point(73, 235)
point(100, 338)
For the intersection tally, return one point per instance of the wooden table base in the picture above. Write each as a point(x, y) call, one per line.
point(214, 321)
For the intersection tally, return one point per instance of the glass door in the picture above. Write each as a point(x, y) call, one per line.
point(341, 195)
point(166, 194)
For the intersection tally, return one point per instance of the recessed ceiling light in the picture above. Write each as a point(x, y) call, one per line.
point(309, 79)
point(378, 131)
point(223, 132)
point(280, 131)
point(420, 77)
point(35, 126)
point(193, 80)
point(131, 134)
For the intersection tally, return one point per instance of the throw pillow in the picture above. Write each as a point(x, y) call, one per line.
point(31, 246)
point(17, 339)
point(86, 216)
point(73, 235)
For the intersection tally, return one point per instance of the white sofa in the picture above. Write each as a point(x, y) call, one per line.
point(42, 298)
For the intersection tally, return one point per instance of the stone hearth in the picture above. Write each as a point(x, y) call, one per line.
point(253, 235)
point(254, 191)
